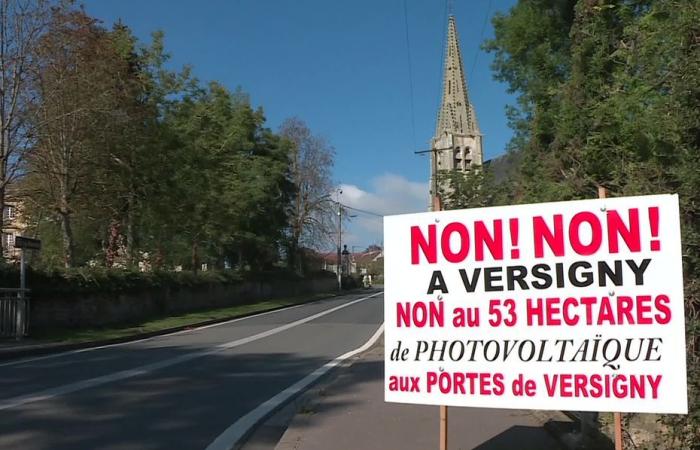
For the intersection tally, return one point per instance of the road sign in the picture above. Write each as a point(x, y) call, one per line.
point(564, 306)
point(28, 243)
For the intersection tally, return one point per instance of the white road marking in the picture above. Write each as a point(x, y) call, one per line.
point(148, 368)
point(234, 433)
point(118, 344)
point(254, 374)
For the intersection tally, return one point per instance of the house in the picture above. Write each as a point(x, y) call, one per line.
point(12, 226)
point(358, 263)
point(369, 262)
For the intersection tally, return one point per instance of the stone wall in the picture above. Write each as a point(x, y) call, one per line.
point(114, 309)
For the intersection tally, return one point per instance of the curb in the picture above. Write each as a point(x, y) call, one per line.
point(30, 350)
point(302, 399)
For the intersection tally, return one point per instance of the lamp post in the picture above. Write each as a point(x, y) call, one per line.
point(339, 192)
point(329, 197)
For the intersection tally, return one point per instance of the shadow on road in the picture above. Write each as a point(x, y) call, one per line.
point(184, 406)
point(173, 396)
point(518, 437)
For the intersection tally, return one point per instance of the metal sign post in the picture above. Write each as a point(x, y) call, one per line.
point(23, 243)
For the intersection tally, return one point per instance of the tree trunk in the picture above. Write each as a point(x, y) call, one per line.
point(3, 251)
point(112, 249)
point(130, 257)
point(67, 237)
point(159, 258)
point(5, 149)
point(195, 256)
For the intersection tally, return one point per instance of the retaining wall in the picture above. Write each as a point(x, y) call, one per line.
point(113, 309)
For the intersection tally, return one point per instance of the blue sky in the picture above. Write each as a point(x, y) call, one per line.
point(343, 68)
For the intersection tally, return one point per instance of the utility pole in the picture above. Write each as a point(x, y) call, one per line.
point(340, 237)
point(436, 201)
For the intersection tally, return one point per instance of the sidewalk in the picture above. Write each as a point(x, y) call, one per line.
point(350, 413)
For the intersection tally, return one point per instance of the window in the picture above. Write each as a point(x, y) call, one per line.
point(9, 212)
point(8, 240)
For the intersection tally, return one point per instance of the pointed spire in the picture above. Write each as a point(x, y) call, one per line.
point(456, 115)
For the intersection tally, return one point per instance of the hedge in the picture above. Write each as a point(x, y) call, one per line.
point(85, 281)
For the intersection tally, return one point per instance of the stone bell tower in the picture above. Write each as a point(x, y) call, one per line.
point(457, 144)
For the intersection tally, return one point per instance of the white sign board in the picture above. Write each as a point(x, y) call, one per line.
point(565, 306)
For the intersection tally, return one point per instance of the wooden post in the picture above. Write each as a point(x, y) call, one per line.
point(617, 417)
point(618, 430)
point(437, 206)
point(443, 427)
point(437, 203)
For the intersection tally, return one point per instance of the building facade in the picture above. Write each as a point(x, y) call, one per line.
point(457, 144)
point(12, 226)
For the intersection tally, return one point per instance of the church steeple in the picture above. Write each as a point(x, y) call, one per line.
point(455, 115)
point(457, 145)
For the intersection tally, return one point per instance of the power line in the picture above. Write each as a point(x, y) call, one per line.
point(362, 210)
point(410, 73)
point(483, 28)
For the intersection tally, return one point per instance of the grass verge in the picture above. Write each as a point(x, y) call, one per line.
point(164, 323)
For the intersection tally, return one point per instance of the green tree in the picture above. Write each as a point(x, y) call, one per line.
point(78, 99)
point(231, 179)
point(22, 23)
point(609, 96)
point(463, 190)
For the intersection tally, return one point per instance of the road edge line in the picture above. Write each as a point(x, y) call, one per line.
point(69, 388)
point(240, 429)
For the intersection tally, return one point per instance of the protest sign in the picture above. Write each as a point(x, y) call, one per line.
point(570, 306)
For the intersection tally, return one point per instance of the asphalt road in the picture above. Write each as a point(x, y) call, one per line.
point(197, 389)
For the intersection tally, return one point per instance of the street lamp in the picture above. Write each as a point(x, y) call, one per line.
point(329, 197)
point(338, 193)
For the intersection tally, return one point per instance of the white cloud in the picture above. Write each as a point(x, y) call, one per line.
point(389, 194)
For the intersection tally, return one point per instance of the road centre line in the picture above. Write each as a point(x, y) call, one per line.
point(188, 330)
point(239, 429)
point(148, 368)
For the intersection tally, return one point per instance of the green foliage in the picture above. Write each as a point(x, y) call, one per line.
point(609, 95)
point(135, 164)
point(230, 182)
point(95, 281)
point(100, 281)
point(491, 185)
point(463, 190)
